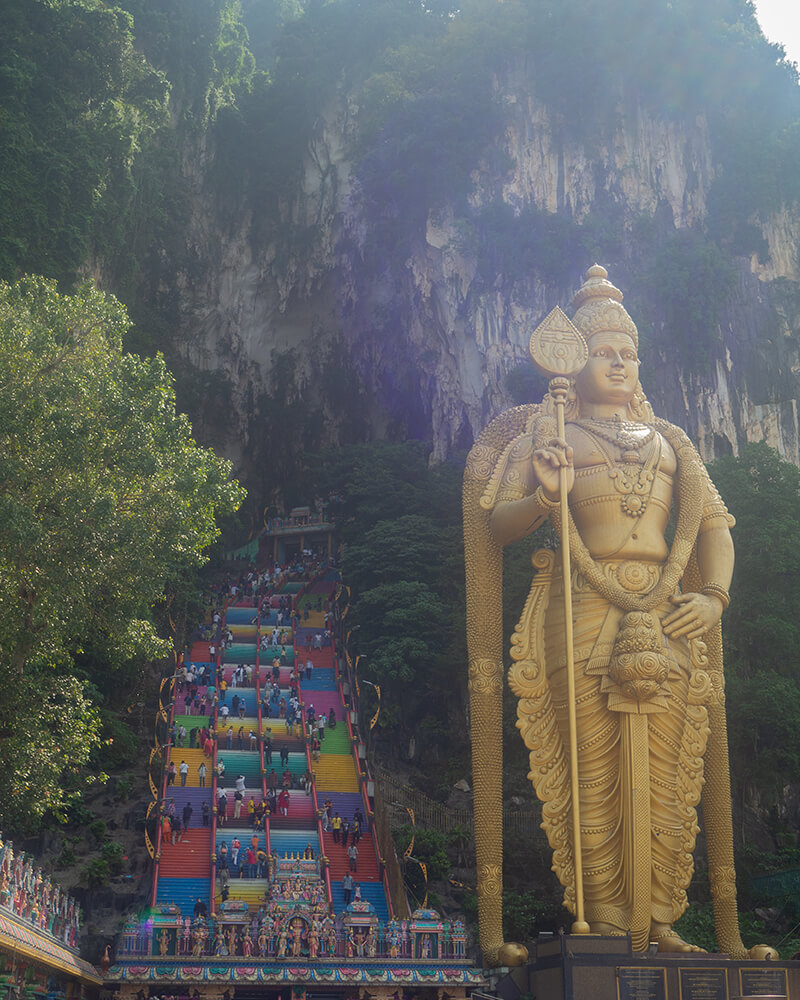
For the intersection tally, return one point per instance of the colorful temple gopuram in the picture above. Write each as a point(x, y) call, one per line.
point(264, 795)
point(39, 930)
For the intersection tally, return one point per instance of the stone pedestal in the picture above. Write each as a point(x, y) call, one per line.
point(591, 967)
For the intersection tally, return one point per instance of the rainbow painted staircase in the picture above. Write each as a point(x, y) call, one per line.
point(190, 869)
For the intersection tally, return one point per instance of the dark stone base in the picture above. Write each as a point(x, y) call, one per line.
point(591, 967)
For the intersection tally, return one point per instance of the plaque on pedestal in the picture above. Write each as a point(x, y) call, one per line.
point(637, 983)
point(702, 983)
point(763, 981)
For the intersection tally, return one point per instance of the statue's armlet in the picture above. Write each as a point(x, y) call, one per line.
point(513, 477)
point(715, 513)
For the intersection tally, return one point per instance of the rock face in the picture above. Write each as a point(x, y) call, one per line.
point(430, 337)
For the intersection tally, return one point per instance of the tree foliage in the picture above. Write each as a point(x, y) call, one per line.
point(77, 103)
point(105, 501)
point(762, 629)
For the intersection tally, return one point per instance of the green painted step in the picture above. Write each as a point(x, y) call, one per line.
point(336, 740)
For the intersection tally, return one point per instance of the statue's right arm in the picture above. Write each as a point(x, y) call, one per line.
point(519, 511)
point(515, 519)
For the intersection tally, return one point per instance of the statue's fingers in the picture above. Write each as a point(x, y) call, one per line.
point(685, 628)
point(677, 619)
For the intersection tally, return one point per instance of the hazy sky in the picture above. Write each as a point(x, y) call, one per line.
point(780, 22)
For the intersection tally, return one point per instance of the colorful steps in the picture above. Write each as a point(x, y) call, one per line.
point(189, 858)
point(240, 653)
point(252, 891)
point(193, 758)
point(323, 679)
point(372, 892)
point(238, 615)
point(288, 841)
point(184, 892)
point(242, 633)
point(335, 773)
point(345, 803)
point(340, 864)
point(189, 722)
point(231, 819)
point(196, 796)
point(301, 810)
point(337, 741)
point(241, 762)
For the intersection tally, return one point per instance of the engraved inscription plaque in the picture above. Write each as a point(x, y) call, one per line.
point(702, 983)
point(641, 983)
point(763, 982)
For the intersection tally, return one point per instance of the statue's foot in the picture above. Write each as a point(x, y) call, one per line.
point(513, 954)
point(763, 952)
point(669, 941)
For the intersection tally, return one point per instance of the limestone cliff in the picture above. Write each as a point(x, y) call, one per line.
point(430, 331)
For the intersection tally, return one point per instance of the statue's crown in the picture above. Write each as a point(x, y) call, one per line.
point(599, 308)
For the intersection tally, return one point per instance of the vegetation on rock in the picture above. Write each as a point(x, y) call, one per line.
point(106, 503)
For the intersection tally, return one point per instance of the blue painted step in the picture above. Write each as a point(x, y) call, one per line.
point(248, 695)
point(184, 892)
point(293, 841)
point(240, 616)
point(372, 892)
point(322, 679)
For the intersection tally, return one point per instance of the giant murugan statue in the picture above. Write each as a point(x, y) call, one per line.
point(616, 660)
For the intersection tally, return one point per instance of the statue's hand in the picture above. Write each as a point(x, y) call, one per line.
point(694, 615)
point(548, 461)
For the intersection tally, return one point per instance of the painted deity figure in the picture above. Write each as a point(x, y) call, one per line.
point(649, 701)
point(283, 939)
point(313, 942)
point(297, 937)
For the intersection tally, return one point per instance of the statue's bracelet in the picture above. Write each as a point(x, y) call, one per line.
point(543, 501)
point(716, 590)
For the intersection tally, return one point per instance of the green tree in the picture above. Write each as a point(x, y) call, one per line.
point(762, 630)
point(77, 103)
point(105, 502)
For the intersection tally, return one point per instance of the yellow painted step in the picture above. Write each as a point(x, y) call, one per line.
point(250, 890)
point(193, 759)
point(336, 773)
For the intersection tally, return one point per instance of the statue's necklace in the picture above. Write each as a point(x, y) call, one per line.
point(633, 482)
point(626, 435)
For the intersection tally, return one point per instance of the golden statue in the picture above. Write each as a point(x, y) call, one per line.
point(635, 685)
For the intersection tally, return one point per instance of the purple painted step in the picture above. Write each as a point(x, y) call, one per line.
point(345, 803)
point(322, 702)
point(193, 795)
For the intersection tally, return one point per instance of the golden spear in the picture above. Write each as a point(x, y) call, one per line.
point(559, 351)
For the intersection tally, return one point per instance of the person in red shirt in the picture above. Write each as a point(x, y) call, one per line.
point(251, 862)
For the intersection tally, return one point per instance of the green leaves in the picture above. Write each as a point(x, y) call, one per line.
point(105, 502)
point(762, 629)
point(77, 103)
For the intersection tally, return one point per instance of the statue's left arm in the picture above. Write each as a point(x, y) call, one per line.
point(697, 612)
point(699, 608)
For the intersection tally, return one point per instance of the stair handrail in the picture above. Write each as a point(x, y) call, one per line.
point(165, 763)
point(260, 717)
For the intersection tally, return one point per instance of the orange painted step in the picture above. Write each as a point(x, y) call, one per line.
point(190, 858)
point(340, 863)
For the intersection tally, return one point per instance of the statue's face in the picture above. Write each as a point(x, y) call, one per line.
point(612, 371)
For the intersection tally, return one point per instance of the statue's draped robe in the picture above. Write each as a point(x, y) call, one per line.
point(640, 755)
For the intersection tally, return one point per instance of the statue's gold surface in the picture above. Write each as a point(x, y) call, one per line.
point(648, 685)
